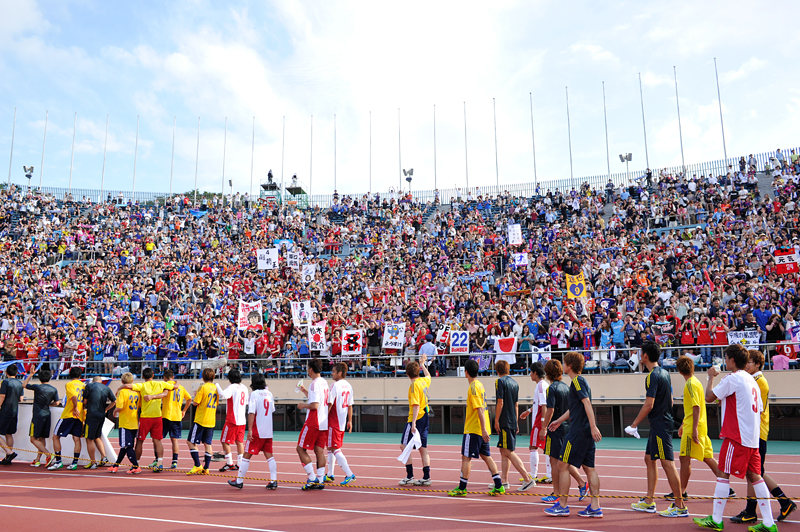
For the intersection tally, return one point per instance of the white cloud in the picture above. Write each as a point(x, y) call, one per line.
point(748, 67)
point(595, 52)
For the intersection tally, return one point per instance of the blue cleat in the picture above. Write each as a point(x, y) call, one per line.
point(347, 480)
point(550, 499)
point(583, 491)
point(591, 512)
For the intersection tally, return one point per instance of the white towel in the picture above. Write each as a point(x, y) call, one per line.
point(632, 431)
point(414, 443)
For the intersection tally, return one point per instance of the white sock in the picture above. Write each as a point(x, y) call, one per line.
point(159, 460)
point(273, 468)
point(244, 465)
point(342, 461)
point(309, 469)
point(331, 463)
point(535, 462)
point(549, 467)
point(321, 472)
point(229, 459)
point(762, 492)
point(721, 492)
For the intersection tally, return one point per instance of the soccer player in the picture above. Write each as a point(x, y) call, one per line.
point(259, 432)
point(475, 442)
point(505, 424)
point(340, 416)
point(150, 419)
point(235, 420)
point(314, 434)
point(205, 415)
point(539, 400)
point(657, 408)
point(579, 446)
point(44, 396)
point(557, 404)
point(417, 420)
point(71, 422)
point(741, 427)
point(173, 409)
point(97, 400)
point(127, 409)
point(755, 364)
point(11, 391)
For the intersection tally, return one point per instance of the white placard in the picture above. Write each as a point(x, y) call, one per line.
point(267, 258)
point(514, 234)
point(394, 335)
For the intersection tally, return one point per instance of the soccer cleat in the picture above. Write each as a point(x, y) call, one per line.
point(203, 471)
point(151, 466)
point(543, 480)
point(550, 499)
point(592, 512)
point(237, 485)
point(319, 484)
point(744, 517)
point(103, 462)
point(731, 493)
point(583, 490)
point(226, 467)
point(347, 480)
point(458, 492)
point(273, 485)
point(785, 511)
point(328, 478)
point(642, 506)
point(422, 482)
point(35, 463)
point(309, 485)
point(674, 511)
point(10, 458)
point(761, 527)
point(113, 469)
point(671, 496)
point(158, 469)
point(407, 481)
point(505, 485)
point(72, 467)
point(174, 465)
point(235, 467)
point(55, 465)
point(527, 485)
point(557, 511)
point(134, 471)
point(708, 522)
point(93, 465)
point(195, 470)
point(494, 492)
point(52, 460)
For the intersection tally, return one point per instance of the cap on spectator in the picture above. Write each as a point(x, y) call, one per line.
point(429, 337)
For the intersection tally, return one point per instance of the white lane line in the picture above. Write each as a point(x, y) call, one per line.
point(140, 518)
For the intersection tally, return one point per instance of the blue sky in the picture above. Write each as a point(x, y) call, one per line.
point(297, 59)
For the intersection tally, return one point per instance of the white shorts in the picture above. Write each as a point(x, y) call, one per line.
point(109, 359)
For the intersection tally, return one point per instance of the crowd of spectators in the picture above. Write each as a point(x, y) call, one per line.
point(682, 261)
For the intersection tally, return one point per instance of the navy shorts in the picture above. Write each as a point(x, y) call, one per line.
point(69, 427)
point(659, 445)
point(554, 444)
point(507, 439)
point(40, 427)
point(8, 425)
point(171, 429)
point(578, 450)
point(200, 434)
point(93, 430)
point(472, 446)
point(422, 428)
point(127, 438)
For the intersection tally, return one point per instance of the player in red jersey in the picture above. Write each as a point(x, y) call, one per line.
point(259, 432)
point(740, 433)
point(235, 420)
point(314, 434)
point(340, 416)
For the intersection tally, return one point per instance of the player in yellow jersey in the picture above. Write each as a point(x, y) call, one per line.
point(150, 420)
point(755, 364)
point(127, 409)
point(71, 422)
point(205, 417)
point(417, 420)
point(172, 414)
point(477, 429)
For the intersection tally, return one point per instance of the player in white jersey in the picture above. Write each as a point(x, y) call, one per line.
point(741, 428)
point(314, 434)
point(537, 409)
point(259, 432)
point(340, 417)
point(235, 420)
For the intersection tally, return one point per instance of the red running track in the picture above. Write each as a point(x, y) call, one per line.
point(62, 501)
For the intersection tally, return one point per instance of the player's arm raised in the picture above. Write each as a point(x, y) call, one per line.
point(425, 366)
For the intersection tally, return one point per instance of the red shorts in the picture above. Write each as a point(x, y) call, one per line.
point(152, 426)
point(737, 460)
point(258, 445)
point(232, 433)
point(311, 437)
point(335, 438)
point(535, 441)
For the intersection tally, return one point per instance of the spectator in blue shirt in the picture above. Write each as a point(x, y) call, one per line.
point(618, 331)
point(762, 315)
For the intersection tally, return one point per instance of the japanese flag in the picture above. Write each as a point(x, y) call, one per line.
point(506, 349)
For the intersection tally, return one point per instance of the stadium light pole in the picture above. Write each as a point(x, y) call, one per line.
point(721, 123)
point(680, 130)
point(11, 158)
point(644, 124)
point(103, 174)
point(172, 160)
point(569, 136)
point(496, 163)
point(283, 146)
point(72, 157)
point(399, 158)
point(434, 147)
point(334, 152)
point(605, 117)
point(533, 141)
point(370, 153)
point(466, 160)
point(196, 162)
point(252, 158)
point(311, 157)
point(135, 154)
point(224, 149)
point(44, 143)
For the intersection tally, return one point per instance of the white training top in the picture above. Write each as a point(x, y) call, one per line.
point(741, 408)
point(318, 393)
point(540, 396)
point(341, 397)
point(236, 394)
point(262, 405)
